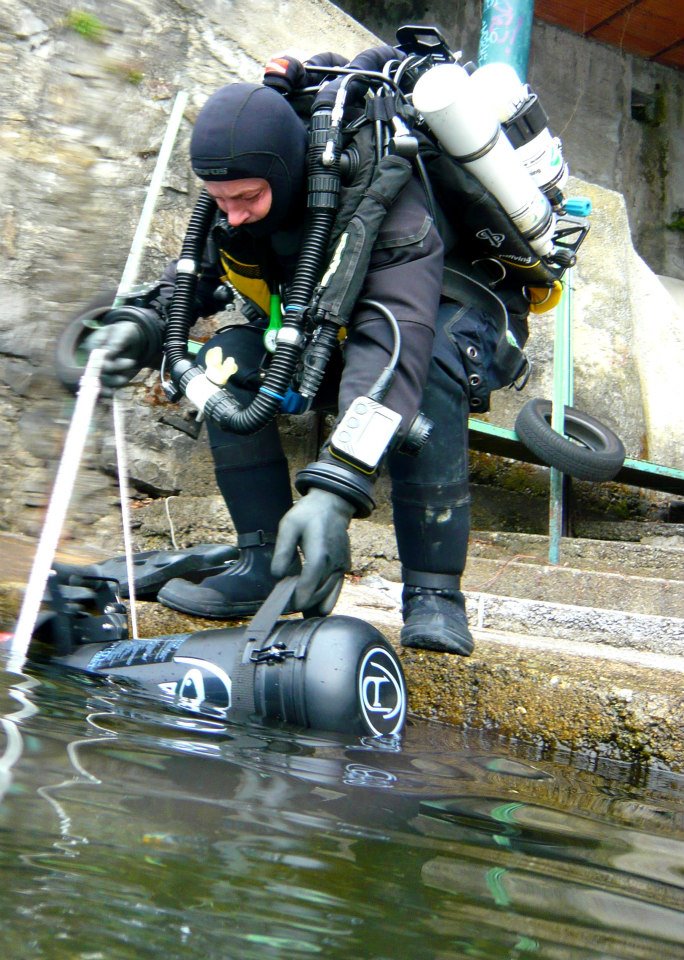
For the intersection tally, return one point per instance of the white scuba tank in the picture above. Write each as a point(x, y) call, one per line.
point(525, 123)
point(467, 126)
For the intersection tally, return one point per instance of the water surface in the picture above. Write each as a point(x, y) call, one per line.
point(132, 832)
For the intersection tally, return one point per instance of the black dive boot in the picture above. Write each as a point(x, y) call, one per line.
point(434, 616)
point(431, 505)
point(431, 523)
point(237, 591)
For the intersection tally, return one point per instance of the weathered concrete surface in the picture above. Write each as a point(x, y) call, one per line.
point(640, 558)
point(568, 621)
point(582, 696)
point(583, 703)
point(658, 319)
point(675, 288)
point(616, 591)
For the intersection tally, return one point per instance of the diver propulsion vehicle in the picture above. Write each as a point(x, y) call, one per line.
point(334, 673)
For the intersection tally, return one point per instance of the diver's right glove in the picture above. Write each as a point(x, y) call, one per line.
point(317, 524)
point(132, 338)
point(123, 346)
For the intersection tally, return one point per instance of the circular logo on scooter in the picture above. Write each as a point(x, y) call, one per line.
point(204, 687)
point(382, 692)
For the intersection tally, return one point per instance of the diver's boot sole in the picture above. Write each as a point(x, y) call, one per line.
point(437, 632)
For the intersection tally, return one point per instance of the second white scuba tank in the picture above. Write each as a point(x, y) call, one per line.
point(467, 126)
point(525, 123)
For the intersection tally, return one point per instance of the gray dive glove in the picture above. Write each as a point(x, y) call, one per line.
point(124, 344)
point(318, 525)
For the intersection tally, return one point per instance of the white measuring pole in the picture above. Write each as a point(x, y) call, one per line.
point(129, 276)
point(128, 279)
point(88, 392)
point(122, 470)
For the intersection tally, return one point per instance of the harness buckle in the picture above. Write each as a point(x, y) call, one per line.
point(276, 653)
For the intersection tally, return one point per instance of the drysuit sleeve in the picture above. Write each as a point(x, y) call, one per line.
point(405, 276)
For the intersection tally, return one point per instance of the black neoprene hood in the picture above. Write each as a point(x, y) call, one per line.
point(247, 130)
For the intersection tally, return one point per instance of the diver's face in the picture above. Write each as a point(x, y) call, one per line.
point(242, 201)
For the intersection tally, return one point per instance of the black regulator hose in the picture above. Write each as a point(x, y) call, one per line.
point(181, 312)
point(215, 402)
point(323, 197)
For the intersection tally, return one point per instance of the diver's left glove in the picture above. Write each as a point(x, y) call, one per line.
point(318, 525)
point(132, 338)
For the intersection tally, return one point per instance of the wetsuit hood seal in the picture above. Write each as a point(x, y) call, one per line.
point(247, 130)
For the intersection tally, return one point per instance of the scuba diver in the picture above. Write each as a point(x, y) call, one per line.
point(251, 148)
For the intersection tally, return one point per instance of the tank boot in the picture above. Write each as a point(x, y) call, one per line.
point(433, 609)
point(238, 591)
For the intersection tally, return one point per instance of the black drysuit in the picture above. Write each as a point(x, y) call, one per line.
point(445, 350)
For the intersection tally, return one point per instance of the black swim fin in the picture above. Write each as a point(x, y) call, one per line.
point(154, 568)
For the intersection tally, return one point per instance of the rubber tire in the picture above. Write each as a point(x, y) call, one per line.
point(586, 449)
point(69, 360)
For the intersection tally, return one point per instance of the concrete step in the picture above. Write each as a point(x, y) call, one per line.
point(631, 577)
point(549, 675)
point(374, 546)
point(653, 532)
point(572, 623)
point(664, 558)
point(569, 623)
point(584, 587)
point(580, 698)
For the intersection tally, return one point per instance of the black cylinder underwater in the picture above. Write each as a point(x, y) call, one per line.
point(327, 673)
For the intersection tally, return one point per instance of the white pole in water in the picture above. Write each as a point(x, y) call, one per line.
point(128, 279)
point(122, 470)
point(88, 392)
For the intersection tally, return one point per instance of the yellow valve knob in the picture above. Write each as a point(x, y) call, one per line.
point(219, 371)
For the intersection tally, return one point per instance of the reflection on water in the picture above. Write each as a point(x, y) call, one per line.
point(128, 832)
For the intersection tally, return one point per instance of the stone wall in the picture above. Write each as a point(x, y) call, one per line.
point(87, 92)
